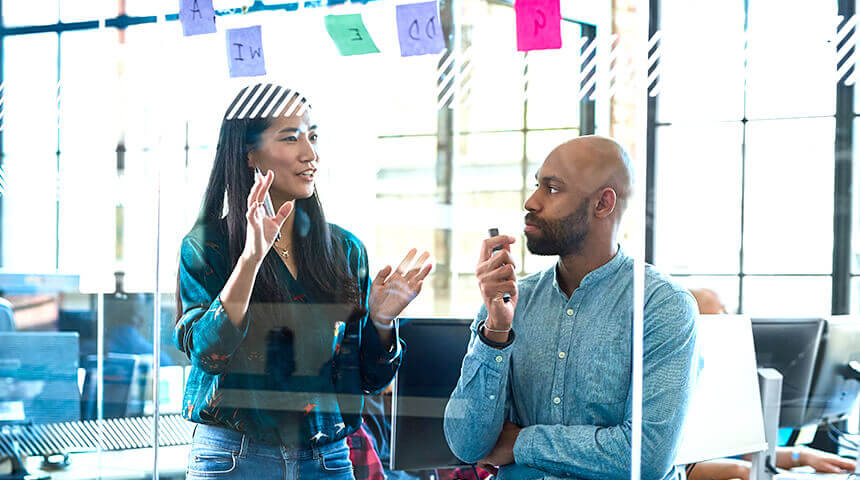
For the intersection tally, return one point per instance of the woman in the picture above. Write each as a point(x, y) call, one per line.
point(284, 331)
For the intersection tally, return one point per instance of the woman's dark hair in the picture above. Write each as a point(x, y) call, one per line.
point(319, 255)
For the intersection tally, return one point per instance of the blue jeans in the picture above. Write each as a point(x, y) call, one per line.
point(223, 453)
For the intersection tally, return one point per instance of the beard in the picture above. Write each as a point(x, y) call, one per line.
point(564, 236)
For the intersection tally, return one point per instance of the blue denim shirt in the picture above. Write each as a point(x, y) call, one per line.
point(297, 373)
point(566, 378)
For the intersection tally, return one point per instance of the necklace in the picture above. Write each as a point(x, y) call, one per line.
point(284, 252)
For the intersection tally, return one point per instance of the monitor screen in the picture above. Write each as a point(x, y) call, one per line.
point(120, 372)
point(425, 380)
point(789, 345)
point(39, 377)
point(834, 385)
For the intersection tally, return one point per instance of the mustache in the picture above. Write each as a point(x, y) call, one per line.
point(535, 220)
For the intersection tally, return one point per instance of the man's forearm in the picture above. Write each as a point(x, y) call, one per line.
point(476, 411)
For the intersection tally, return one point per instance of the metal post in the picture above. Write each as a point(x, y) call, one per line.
point(843, 176)
point(445, 145)
point(770, 386)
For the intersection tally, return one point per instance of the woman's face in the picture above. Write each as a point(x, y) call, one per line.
point(289, 149)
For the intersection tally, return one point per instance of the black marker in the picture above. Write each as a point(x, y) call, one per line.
point(494, 232)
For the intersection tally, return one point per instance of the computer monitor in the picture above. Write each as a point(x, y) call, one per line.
point(835, 383)
point(720, 424)
point(789, 345)
point(39, 377)
point(424, 382)
point(121, 373)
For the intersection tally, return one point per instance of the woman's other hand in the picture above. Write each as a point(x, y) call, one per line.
point(393, 290)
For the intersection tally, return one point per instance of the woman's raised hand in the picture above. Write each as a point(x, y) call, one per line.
point(262, 229)
point(392, 291)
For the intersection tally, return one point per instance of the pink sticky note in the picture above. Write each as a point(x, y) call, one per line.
point(538, 24)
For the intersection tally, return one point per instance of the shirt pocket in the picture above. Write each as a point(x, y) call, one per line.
point(604, 375)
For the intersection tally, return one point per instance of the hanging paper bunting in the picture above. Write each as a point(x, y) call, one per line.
point(349, 34)
point(538, 24)
point(419, 30)
point(245, 52)
point(197, 17)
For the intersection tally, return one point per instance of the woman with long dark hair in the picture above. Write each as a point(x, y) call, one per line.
point(275, 308)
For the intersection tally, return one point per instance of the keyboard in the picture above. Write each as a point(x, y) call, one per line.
point(816, 476)
point(82, 436)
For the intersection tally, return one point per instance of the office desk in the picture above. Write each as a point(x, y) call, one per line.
point(119, 464)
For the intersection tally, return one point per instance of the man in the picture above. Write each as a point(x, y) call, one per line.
point(544, 390)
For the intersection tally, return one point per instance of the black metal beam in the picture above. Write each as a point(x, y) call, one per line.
point(651, 145)
point(587, 119)
point(445, 145)
point(843, 176)
point(125, 21)
point(741, 276)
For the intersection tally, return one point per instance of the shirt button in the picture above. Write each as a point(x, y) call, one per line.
point(499, 358)
point(492, 397)
point(561, 355)
point(569, 312)
point(556, 400)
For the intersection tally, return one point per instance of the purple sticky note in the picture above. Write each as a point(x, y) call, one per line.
point(245, 52)
point(538, 24)
point(197, 17)
point(419, 29)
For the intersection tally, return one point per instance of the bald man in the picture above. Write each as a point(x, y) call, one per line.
point(708, 301)
point(545, 387)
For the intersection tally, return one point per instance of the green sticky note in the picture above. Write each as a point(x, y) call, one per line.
point(349, 34)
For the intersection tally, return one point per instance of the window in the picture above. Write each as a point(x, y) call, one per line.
point(744, 155)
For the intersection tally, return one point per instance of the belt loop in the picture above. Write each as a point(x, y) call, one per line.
point(243, 449)
point(194, 432)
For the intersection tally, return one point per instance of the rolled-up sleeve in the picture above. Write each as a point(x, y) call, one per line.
point(378, 363)
point(478, 405)
point(204, 332)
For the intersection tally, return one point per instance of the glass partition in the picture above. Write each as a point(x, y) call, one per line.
point(139, 264)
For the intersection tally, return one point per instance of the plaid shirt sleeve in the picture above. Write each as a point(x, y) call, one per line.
point(365, 461)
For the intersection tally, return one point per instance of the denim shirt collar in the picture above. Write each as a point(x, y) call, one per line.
point(607, 269)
